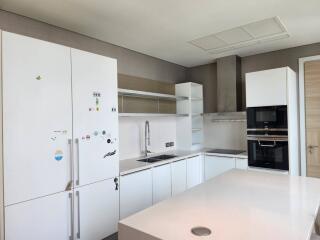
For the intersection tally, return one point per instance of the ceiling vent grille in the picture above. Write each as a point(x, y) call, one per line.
point(270, 29)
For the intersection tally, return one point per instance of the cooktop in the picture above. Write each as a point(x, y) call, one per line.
point(226, 151)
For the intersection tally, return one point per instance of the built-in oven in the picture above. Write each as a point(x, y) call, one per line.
point(268, 117)
point(265, 151)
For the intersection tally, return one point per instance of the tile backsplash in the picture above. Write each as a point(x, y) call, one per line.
point(229, 135)
point(131, 135)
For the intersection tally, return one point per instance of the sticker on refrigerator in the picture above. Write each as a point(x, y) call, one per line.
point(58, 155)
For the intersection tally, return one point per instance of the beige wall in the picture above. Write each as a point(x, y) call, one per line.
point(207, 76)
point(129, 62)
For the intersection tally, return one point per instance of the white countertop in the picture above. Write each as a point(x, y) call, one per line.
point(238, 205)
point(131, 165)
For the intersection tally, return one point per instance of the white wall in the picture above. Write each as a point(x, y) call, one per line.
point(227, 135)
point(131, 135)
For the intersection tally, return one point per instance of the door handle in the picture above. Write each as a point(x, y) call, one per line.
point(69, 186)
point(311, 147)
point(267, 145)
point(70, 183)
point(71, 217)
point(78, 161)
point(78, 198)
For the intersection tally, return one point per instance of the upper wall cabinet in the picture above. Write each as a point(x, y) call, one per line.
point(267, 88)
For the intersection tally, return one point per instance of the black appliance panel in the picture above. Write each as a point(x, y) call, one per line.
point(271, 154)
point(268, 117)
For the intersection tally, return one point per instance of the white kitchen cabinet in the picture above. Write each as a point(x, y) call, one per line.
point(266, 88)
point(135, 192)
point(179, 176)
point(95, 117)
point(241, 163)
point(161, 180)
point(37, 117)
point(216, 165)
point(43, 218)
point(194, 171)
point(96, 210)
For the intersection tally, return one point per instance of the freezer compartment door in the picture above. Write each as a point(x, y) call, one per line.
point(37, 117)
point(46, 218)
point(96, 210)
point(95, 116)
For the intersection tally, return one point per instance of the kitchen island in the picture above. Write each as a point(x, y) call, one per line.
point(242, 205)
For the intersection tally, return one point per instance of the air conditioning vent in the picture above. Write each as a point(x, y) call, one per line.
point(270, 29)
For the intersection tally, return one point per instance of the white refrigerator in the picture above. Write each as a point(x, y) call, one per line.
point(60, 138)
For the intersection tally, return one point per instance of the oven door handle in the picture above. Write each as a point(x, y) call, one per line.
point(267, 145)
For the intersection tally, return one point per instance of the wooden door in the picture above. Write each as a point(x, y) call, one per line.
point(312, 106)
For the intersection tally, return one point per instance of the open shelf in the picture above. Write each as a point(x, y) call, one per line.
point(152, 115)
point(190, 129)
point(152, 95)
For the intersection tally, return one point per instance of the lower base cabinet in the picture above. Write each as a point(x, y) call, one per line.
point(161, 180)
point(216, 165)
point(194, 171)
point(96, 210)
point(135, 192)
point(179, 176)
point(242, 163)
point(43, 218)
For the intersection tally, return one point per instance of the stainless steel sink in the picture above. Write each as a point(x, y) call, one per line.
point(157, 158)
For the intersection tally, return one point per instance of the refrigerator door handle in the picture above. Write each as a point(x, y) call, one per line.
point(78, 162)
point(71, 237)
point(70, 183)
point(78, 197)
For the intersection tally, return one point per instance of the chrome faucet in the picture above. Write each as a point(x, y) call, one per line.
point(146, 138)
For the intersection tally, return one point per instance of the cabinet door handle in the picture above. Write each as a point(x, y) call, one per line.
point(78, 162)
point(71, 217)
point(78, 198)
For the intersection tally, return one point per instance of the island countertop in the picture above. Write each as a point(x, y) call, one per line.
point(242, 205)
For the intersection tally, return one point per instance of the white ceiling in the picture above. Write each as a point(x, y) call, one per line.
point(164, 28)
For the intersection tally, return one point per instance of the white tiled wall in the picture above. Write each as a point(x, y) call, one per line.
point(131, 135)
point(229, 135)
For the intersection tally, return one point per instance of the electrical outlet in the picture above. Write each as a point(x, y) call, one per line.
point(169, 144)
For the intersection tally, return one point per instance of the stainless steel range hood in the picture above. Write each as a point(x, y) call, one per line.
point(229, 90)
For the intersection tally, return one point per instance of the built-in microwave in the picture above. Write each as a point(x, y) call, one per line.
point(269, 117)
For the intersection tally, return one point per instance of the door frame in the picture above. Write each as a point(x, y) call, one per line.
point(303, 142)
